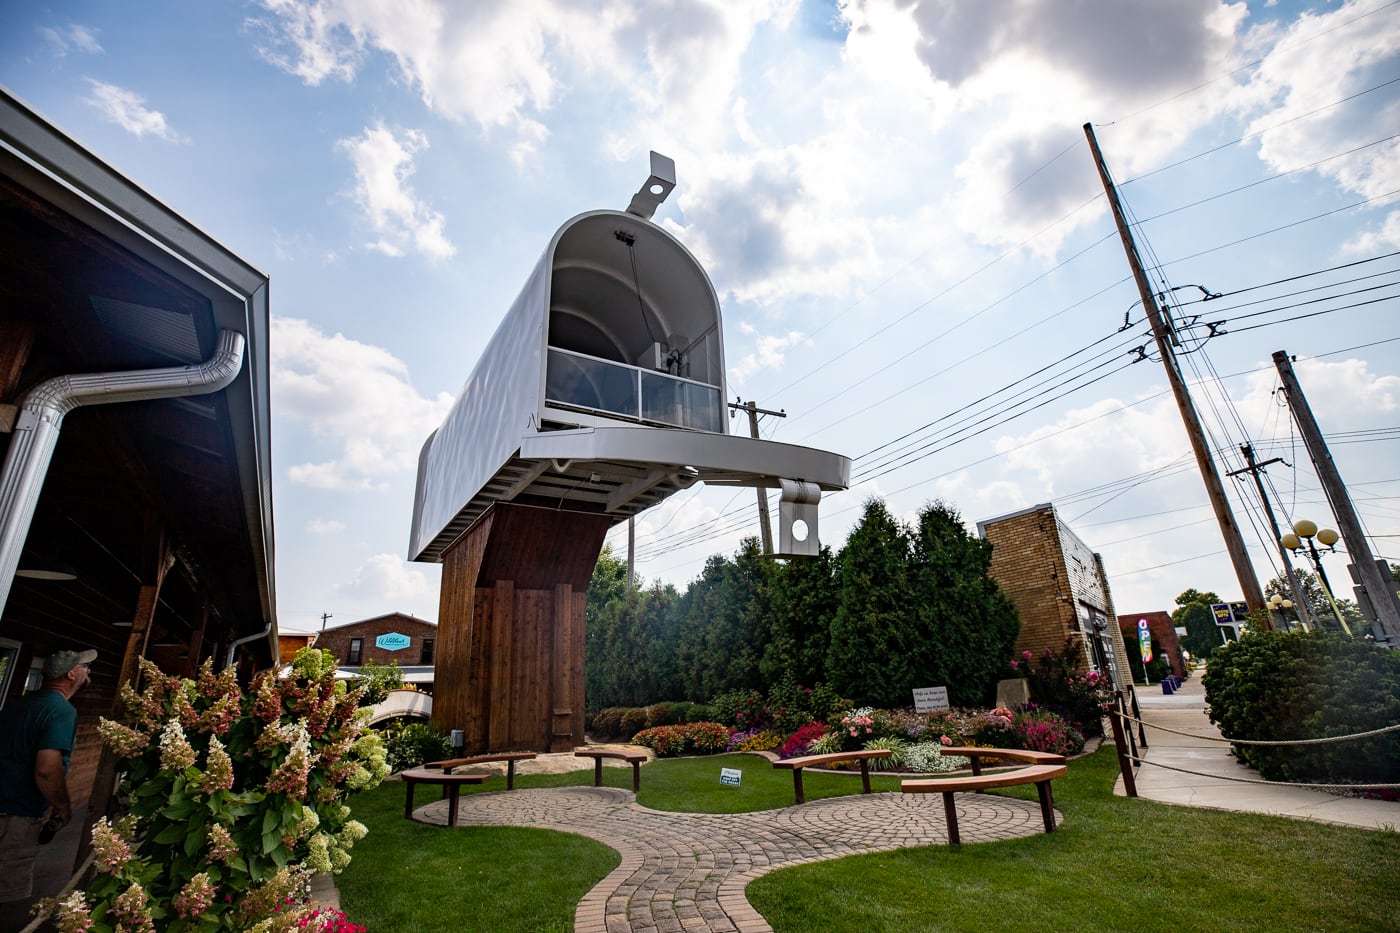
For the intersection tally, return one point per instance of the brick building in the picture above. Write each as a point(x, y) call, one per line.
point(1163, 631)
point(393, 637)
point(1058, 585)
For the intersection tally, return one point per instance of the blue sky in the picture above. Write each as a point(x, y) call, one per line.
point(894, 199)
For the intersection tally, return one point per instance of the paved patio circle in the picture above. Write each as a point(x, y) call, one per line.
point(687, 871)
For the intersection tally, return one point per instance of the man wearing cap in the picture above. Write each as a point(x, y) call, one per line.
point(36, 738)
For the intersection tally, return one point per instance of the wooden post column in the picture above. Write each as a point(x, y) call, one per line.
point(509, 665)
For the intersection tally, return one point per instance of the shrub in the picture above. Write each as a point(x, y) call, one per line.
point(896, 747)
point(377, 680)
point(740, 709)
point(1040, 730)
point(826, 744)
point(666, 714)
point(800, 741)
point(992, 730)
point(606, 723)
point(855, 728)
point(790, 704)
point(698, 738)
point(409, 744)
point(927, 757)
point(755, 740)
point(1280, 686)
point(1058, 679)
point(234, 800)
point(634, 720)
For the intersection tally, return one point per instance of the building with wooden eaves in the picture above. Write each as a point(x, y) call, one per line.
point(135, 499)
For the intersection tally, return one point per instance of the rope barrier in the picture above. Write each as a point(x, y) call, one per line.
point(1240, 780)
point(1213, 738)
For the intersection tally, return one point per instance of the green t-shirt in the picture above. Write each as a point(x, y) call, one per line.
point(40, 720)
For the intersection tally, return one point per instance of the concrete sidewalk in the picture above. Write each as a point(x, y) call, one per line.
point(1222, 789)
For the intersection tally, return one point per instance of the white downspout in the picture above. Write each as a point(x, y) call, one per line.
point(41, 412)
point(233, 648)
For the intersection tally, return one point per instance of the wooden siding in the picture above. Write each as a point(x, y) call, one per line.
point(511, 629)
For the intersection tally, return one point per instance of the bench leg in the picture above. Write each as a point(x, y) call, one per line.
point(452, 791)
point(865, 775)
point(408, 800)
point(976, 767)
point(1047, 804)
point(636, 777)
point(510, 775)
point(597, 772)
point(950, 815)
point(797, 784)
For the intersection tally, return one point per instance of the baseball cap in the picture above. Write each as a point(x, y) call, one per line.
point(61, 662)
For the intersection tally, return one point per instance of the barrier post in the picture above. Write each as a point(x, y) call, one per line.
point(1137, 714)
point(1125, 766)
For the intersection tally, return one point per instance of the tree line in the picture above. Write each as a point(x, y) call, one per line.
point(901, 605)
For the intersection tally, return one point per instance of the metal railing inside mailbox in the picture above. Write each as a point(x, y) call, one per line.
point(617, 389)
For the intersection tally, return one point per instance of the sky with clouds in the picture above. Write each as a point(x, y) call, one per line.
point(895, 200)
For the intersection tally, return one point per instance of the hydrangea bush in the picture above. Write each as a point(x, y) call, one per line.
point(233, 801)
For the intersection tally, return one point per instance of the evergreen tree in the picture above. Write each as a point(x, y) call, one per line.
point(803, 599)
point(965, 626)
point(870, 633)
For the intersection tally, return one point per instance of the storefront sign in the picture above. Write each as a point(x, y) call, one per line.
point(392, 641)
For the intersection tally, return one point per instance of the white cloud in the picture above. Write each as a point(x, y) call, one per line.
point(388, 579)
point(401, 220)
point(353, 397)
point(128, 110)
point(769, 352)
point(322, 526)
point(63, 39)
point(308, 40)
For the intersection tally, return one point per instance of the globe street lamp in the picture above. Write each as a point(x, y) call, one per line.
point(1308, 531)
point(1280, 605)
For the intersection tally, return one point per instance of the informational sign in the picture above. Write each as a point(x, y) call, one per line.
point(1222, 613)
point(1180, 631)
point(730, 776)
point(392, 641)
point(928, 699)
point(1145, 640)
point(1240, 612)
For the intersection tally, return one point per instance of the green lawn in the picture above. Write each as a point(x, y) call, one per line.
point(1115, 864)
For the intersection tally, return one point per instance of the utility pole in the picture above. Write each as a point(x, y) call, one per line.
point(1301, 605)
point(324, 617)
point(1376, 586)
point(765, 527)
point(1215, 490)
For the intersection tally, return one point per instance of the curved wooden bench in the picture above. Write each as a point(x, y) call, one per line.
point(510, 758)
point(451, 785)
point(636, 759)
point(977, 753)
point(1039, 775)
point(807, 761)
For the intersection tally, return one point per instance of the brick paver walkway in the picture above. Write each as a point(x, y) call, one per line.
point(687, 871)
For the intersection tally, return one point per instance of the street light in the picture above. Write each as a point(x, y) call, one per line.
point(1304, 530)
point(1280, 605)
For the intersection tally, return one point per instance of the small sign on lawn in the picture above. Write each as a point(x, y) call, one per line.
point(928, 699)
point(730, 776)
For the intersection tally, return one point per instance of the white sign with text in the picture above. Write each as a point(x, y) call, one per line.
point(928, 699)
point(730, 776)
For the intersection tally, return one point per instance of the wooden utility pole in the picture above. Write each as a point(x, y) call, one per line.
point(1215, 490)
point(765, 527)
point(1301, 605)
point(1378, 586)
